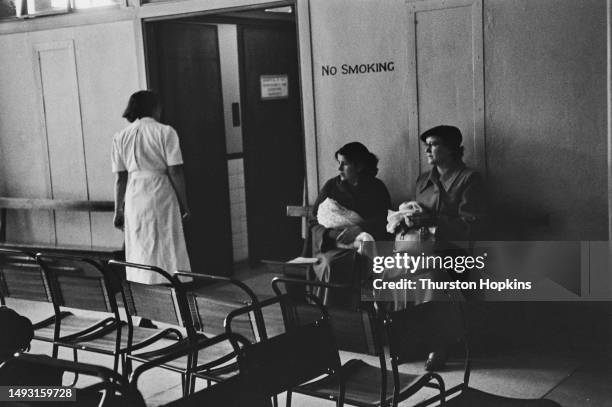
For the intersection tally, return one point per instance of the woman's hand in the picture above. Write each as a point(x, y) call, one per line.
point(418, 220)
point(119, 220)
point(348, 235)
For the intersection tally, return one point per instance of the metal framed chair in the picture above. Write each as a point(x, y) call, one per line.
point(305, 352)
point(112, 390)
point(162, 304)
point(357, 329)
point(233, 392)
point(443, 324)
point(81, 284)
point(22, 278)
point(219, 362)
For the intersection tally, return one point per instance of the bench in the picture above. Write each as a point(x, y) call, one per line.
point(100, 253)
point(299, 266)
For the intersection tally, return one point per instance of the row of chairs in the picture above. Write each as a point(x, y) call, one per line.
point(71, 284)
point(305, 358)
point(307, 352)
point(307, 349)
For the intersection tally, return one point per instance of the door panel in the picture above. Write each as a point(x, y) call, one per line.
point(449, 71)
point(62, 114)
point(272, 140)
point(184, 68)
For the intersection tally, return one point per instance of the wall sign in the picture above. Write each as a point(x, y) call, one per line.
point(356, 69)
point(274, 86)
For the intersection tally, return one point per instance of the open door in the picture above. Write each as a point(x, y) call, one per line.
point(272, 138)
point(183, 64)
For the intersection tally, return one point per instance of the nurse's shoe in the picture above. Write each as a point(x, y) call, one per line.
point(436, 360)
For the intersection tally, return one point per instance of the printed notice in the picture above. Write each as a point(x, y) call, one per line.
point(274, 87)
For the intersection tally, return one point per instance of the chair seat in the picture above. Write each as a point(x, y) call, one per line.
point(224, 371)
point(107, 343)
point(362, 384)
point(70, 325)
point(471, 397)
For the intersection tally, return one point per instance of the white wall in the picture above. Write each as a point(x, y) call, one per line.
point(545, 73)
point(370, 108)
point(544, 102)
point(106, 74)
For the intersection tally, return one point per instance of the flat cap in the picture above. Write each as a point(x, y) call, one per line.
point(450, 135)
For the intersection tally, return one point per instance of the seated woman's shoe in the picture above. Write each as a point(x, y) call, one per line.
point(436, 361)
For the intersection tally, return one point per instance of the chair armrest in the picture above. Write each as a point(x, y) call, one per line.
point(208, 277)
point(183, 350)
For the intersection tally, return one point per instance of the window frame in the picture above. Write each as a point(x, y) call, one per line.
point(70, 9)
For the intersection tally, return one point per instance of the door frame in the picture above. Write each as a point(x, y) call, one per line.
point(173, 10)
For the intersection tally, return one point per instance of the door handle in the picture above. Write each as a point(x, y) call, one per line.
point(236, 114)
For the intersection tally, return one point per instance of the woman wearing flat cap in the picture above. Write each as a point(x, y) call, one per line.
point(453, 200)
point(451, 194)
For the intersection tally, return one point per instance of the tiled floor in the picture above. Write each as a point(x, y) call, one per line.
point(576, 373)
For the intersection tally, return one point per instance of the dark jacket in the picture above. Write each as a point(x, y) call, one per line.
point(458, 204)
point(370, 199)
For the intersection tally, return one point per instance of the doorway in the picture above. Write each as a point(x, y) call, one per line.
point(229, 83)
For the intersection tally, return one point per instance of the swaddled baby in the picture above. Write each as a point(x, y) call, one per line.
point(335, 216)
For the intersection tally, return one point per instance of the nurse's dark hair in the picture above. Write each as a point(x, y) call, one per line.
point(359, 155)
point(141, 104)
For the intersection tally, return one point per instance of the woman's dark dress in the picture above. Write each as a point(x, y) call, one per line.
point(370, 199)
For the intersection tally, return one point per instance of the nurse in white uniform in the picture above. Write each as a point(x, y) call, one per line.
point(150, 198)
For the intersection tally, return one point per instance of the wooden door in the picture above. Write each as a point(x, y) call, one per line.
point(447, 72)
point(272, 141)
point(183, 62)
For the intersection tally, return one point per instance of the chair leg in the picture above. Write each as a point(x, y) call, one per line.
point(116, 363)
point(289, 393)
point(128, 366)
point(192, 381)
point(184, 385)
point(54, 351)
point(76, 375)
point(340, 401)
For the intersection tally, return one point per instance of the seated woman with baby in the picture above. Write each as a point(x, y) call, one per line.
point(351, 208)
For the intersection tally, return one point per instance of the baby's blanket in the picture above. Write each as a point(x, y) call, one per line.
point(335, 216)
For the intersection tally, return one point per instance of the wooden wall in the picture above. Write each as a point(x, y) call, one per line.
point(63, 93)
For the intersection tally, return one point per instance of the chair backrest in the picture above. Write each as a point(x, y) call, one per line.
point(22, 278)
point(233, 392)
point(78, 282)
point(356, 329)
point(208, 312)
point(429, 326)
point(111, 389)
point(165, 303)
point(282, 362)
point(432, 325)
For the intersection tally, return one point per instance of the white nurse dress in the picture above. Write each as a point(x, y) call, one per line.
point(153, 225)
